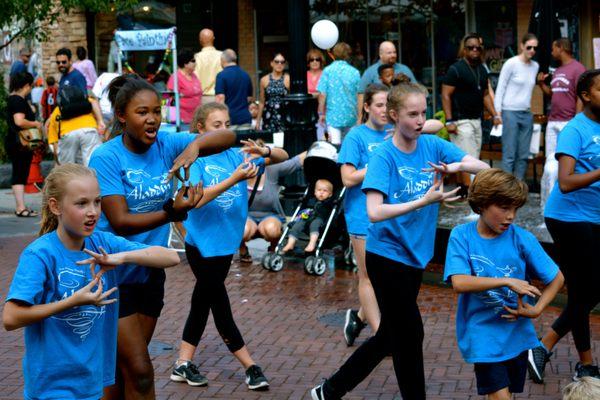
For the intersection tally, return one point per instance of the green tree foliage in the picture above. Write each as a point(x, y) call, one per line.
point(30, 19)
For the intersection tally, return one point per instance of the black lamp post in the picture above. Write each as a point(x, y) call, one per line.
point(300, 108)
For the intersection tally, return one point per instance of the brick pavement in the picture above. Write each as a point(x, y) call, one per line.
point(278, 315)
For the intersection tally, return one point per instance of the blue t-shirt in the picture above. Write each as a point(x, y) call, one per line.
point(408, 238)
point(580, 139)
point(140, 179)
point(482, 334)
point(17, 67)
point(74, 78)
point(236, 85)
point(70, 355)
point(216, 228)
point(357, 148)
point(371, 75)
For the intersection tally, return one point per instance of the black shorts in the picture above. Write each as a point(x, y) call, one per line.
point(492, 377)
point(144, 298)
point(21, 161)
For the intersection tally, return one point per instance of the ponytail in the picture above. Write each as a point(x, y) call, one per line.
point(54, 188)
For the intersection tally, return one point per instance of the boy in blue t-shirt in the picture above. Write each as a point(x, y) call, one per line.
point(489, 262)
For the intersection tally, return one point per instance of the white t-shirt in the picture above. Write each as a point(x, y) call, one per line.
point(515, 85)
point(100, 90)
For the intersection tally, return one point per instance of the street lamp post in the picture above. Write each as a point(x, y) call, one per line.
point(300, 108)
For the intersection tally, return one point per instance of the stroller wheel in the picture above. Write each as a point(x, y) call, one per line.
point(265, 260)
point(319, 266)
point(308, 265)
point(276, 262)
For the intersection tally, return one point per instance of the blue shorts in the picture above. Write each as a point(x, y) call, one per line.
point(492, 377)
point(258, 220)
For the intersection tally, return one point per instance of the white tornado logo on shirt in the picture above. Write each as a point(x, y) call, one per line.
point(226, 199)
point(79, 319)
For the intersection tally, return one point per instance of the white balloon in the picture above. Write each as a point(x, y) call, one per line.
point(324, 34)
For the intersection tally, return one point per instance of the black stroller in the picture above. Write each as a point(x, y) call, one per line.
point(320, 163)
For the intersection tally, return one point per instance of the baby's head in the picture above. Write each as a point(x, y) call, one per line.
point(323, 189)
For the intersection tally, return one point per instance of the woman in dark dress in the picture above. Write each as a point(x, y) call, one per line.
point(273, 88)
point(19, 116)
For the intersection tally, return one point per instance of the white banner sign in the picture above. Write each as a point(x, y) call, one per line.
point(152, 39)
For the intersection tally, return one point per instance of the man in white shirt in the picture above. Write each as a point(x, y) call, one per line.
point(208, 65)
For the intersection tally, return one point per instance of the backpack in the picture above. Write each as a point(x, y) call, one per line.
point(72, 102)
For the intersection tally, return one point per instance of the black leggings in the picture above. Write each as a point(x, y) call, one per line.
point(578, 244)
point(210, 294)
point(400, 332)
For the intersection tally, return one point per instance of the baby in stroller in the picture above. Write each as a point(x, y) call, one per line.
point(312, 218)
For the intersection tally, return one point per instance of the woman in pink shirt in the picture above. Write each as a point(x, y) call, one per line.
point(190, 89)
point(86, 67)
point(315, 61)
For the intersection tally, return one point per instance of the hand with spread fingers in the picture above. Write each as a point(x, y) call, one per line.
point(104, 260)
point(245, 170)
point(188, 197)
point(523, 309)
point(442, 168)
point(436, 193)
point(85, 295)
point(253, 150)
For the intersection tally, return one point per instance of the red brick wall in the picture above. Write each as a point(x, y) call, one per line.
point(246, 29)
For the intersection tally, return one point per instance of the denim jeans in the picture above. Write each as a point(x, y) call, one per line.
point(517, 127)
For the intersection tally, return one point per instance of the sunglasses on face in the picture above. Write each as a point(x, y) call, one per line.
point(279, 61)
point(531, 48)
point(315, 59)
point(61, 62)
point(474, 48)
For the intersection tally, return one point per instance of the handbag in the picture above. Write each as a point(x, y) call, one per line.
point(31, 138)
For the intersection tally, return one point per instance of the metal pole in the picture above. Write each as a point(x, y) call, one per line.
point(368, 35)
point(399, 34)
point(175, 83)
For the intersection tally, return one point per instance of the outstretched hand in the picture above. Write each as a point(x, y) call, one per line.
point(436, 193)
point(442, 168)
point(253, 150)
point(98, 298)
point(104, 260)
point(245, 170)
point(184, 160)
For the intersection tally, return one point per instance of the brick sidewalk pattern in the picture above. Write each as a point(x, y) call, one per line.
point(278, 315)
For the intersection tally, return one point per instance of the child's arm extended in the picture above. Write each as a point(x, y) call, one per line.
point(377, 210)
point(548, 294)
point(153, 257)
point(468, 164)
point(432, 126)
point(243, 171)
point(17, 314)
point(468, 283)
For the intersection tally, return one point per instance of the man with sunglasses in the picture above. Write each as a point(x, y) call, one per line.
point(513, 100)
point(464, 95)
point(70, 76)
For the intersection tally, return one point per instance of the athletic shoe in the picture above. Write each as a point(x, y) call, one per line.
point(188, 372)
point(255, 379)
point(536, 363)
point(586, 370)
point(318, 393)
point(352, 326)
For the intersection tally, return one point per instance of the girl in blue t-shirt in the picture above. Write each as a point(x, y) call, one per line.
point(61, 297)
point(357, 148)
point(572, 216)
point(134, 171)
point(212, 234)
point(404, 189)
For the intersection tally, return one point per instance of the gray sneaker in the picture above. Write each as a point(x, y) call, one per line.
point(188, 372)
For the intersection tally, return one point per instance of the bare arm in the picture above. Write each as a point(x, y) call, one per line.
point(279, 155)
point(244, 171)
point(153, 257)
point(220, 98)
point(469, 283)
point(322, 98)
point(488, 103)
point(18, 315)
point(125, 223)
point(547, 90)
point(432, 126)
point(352, 176)
point(23, 123)
point(568, 180)
point(447, 92)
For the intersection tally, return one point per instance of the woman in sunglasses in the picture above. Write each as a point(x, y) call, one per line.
point(315, 62)
point(273, 88)
point(513, 100)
